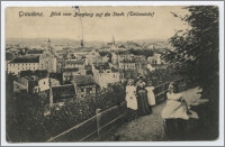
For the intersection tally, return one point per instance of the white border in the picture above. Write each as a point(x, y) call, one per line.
point(220, 4)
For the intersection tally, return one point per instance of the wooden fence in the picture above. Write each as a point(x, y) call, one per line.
point(96, 126)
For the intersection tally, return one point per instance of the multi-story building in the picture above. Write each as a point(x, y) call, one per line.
point(103, 74)
point(61, 94)
point(48, 62)
point(44, 84)
point(23, 63)
point(140, 63)
point(127, 66)
point(117, 58)
point(155, 59)
point(91, 57)
point(84, 86)
point(75, 63)
point(68, 73)
point(126, 58)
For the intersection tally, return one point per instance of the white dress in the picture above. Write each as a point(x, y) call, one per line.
point(174, 108)
point(131, 97)
point(150, 95)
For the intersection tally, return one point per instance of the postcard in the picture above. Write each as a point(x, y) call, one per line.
point(112, 74)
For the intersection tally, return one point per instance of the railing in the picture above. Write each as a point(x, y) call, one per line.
point(96, 126)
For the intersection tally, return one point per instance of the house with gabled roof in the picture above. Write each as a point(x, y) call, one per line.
point(85, 85)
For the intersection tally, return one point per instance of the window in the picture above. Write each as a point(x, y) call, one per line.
point(44, 83)
point(89, 90)
point(82, 90)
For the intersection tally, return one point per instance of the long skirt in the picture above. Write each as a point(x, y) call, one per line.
point(175, 129)
point(143, 106)
point(131, 114)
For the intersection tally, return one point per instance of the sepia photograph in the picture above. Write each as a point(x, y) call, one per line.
point(137, 73)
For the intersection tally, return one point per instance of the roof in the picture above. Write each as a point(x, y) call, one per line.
point(127, 61)
point(26, 59)
point(102, 66)
point(38, 73)
point(70, 69)
point(87, 67)
point(21, 86)
point(8, 56)
point(63, 92)
point(75, 62)
point(23, 80)
point(35, 51)
point(83, 79)
point(140, 58)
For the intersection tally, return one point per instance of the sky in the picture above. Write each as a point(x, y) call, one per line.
point(160, 25)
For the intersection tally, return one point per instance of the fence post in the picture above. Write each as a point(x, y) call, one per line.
point(98, 117)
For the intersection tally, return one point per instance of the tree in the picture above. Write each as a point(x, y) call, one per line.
point(198, 49)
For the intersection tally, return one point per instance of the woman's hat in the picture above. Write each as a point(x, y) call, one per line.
point(173, 85)
point(140, 77)
point(149, 83)
point(130, 81)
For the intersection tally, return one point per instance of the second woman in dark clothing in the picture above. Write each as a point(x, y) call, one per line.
point(143, 106)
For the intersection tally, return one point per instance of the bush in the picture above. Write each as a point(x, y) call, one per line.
point(28, 123)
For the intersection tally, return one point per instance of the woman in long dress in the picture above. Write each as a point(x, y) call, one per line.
point(143, 106)
point(175, 113)
point(131, 99)
point(150, 94)
point(176, 106)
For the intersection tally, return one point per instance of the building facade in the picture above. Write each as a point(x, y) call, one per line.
point(127, 66)
point(44, 84)
point(48, 62)
point(104, 75)
point(69, 73)
point(84, 86)
point(23, 63)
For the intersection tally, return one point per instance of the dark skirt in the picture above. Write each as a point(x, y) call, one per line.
point(175, 129)
point(143, 106)
point(131, 114)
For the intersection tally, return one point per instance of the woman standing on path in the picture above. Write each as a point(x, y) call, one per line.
point(143, 106)
point(150, 93)
point(131, 99)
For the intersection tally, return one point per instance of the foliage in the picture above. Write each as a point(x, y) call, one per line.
point(28, 122)
point(198, 53)
point(145, 52)
point(198, 47)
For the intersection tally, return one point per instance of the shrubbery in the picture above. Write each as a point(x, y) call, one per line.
point(27, 122)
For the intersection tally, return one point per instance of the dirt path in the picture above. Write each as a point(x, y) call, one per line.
point(145, 128)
